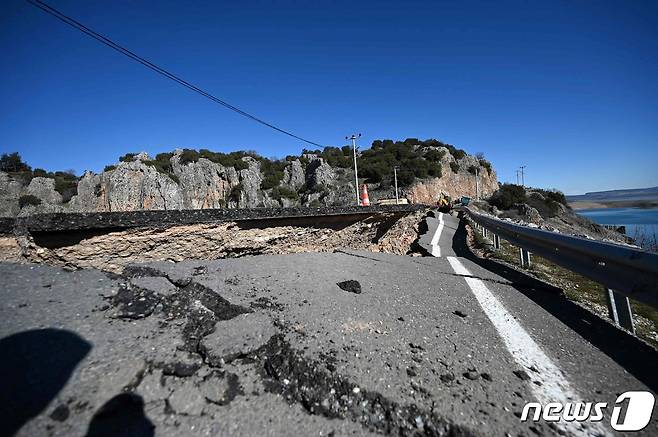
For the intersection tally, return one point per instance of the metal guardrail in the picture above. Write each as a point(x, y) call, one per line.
point(621, 270)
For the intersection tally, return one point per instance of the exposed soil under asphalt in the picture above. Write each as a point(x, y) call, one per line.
point(112, 249)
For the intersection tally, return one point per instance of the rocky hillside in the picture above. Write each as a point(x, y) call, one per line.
point(544, 209)
point(190, 179)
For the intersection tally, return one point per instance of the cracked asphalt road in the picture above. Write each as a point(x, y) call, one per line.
point(272, 345)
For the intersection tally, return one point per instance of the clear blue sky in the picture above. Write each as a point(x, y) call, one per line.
point(569, 89)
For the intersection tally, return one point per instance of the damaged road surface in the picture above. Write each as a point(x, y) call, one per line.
point(275, 345)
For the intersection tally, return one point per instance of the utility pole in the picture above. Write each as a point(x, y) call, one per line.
point(522, 179)
point(356, 174)
point(517, 177)
point(395, 176)
point(477, 183)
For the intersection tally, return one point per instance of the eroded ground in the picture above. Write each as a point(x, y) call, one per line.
point(340, 342)
point(111, 251)
point(266, 345)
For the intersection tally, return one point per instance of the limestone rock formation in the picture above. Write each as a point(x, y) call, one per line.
point(130, 186)
point(44, 189)
point(191, 180)
point(453, 183)
point(204, 184)
point(10, 191)
point(293, 175)
point(319, 172)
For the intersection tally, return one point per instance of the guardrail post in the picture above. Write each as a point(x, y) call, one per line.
point(619, 309)
point(524, 257)
point(496, 241)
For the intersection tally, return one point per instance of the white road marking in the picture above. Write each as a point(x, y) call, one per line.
point(526, 352)
point(436, 249)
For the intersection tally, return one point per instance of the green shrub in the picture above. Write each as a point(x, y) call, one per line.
point(315, 203)
point(283, 192)
point(554, 195)
point(110, 167)
point(233, 159)
point(189, 155)
point(454, 166)
point(12, 162)
point(234, 195)
point(435, 169)
point(66, 184)
point(162, 163)
point(272, 171)
point(405, 178)
point(487, 165)
point(338, 157)
point(545, 207)
point(128, 157)
point(455, 152)
point(434, 155)
point(28, 199)
point(317, 188)
point(473, 169)
point(508, 195)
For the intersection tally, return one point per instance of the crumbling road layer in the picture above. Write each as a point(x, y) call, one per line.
point(112, 250)
point(271, 345)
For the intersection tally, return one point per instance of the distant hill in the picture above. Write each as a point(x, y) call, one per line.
point(637, 197)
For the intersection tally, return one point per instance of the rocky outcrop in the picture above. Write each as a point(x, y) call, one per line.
point(44, 189)
point(181, 182)
point(92, 196)
point(130, 186)
point(10, 191)
point(293, 175)
point(204, 184)
point(453, 183)
point(320, 173)
point(250, 195)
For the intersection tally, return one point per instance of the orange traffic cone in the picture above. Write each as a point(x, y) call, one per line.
point(365, 201)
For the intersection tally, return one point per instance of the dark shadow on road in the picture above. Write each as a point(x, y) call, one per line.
point(123, 415)
point(635, 356)
point(34, 367)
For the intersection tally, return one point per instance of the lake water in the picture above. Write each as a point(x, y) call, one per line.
point(635, 219)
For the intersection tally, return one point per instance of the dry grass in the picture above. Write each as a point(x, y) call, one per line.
point(577, 288)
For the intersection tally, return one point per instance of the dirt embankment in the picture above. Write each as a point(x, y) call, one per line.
point(111, 251)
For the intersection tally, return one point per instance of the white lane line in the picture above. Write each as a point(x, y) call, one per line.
point(436, 249)
point(526, 352)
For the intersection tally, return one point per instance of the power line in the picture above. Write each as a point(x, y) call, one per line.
point(108, 42)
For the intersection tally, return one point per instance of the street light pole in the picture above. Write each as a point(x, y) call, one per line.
point(356, 173)
point(477, 184)
point(395, 176)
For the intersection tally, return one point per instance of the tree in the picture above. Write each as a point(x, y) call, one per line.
point(508, 195)
point(13, 162)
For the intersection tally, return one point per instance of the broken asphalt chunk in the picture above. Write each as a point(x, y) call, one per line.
point(237, 338)
point(351, 286)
